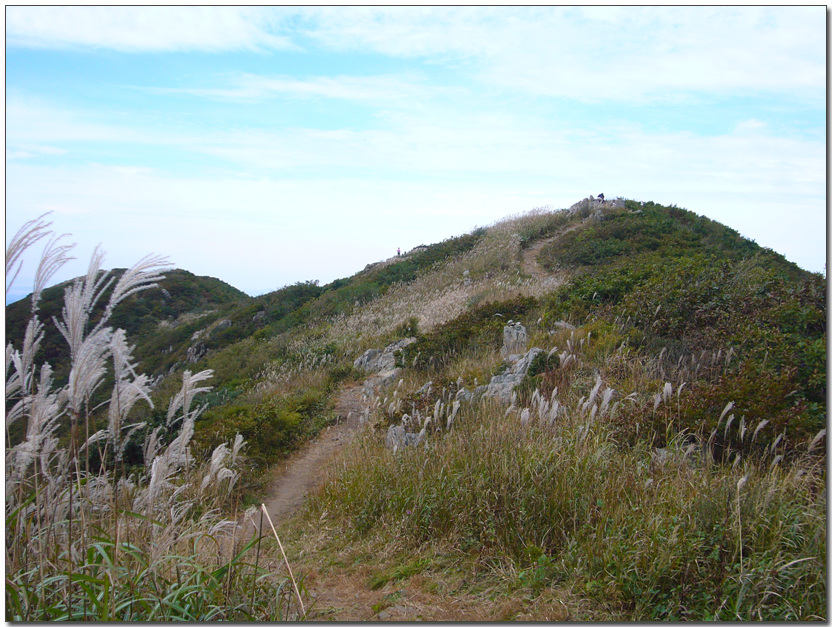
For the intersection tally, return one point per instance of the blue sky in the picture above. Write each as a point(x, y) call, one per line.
point(265, 146)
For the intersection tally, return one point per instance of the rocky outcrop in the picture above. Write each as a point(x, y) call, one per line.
point(515, 339)
point(501, 386)
point(376, 360)
point(593, 208)
point(196, 352)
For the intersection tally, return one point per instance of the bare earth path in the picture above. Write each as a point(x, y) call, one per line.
point(530, 265)
point(550, 280)
point(304, 471)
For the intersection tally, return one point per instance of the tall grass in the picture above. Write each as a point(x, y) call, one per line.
point(87, 536)
point(549, 491)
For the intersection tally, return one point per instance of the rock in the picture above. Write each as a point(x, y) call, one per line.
point(224, 324)
point(389, 377)
point(501, 386)
point(398, 438)
point(166, 294)
point(375, 360)
point(561, 324)
point(515, 339)
point(368, 360)
point(259, 316)
point(196, 352)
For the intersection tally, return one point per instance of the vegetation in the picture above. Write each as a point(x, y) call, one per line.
point(663, 459)
point(88, 536)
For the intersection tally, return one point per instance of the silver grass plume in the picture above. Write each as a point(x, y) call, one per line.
point(88, 368)
point(605, 401)
point(79, 300)
point(27, 236)
point(141, 276)
point(125, 394)
point(186, 394)
point(44, 409)
point(52, 259)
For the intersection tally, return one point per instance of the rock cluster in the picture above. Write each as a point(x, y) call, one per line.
point(398, 438)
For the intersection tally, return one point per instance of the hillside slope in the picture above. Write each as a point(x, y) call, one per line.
point(620, 410)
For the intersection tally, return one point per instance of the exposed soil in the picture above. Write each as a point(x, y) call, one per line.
point(530, 265)
point(532, 268)
point(305, 470)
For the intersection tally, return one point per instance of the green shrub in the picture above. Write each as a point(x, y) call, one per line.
point(480, 327)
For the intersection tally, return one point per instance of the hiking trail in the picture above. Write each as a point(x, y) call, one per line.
point(304, 471)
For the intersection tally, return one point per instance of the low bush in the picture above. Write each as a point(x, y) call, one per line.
point(478, 328)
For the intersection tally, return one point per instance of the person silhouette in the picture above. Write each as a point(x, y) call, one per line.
point(601, 198)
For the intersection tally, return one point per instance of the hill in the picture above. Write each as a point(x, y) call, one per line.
point(618, 408)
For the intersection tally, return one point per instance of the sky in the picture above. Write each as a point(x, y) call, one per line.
point(269, 145)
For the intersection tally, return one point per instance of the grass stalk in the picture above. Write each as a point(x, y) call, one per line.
point(285, 559)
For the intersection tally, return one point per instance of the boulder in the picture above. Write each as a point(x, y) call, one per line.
point(502, 385)
point(388, 377)
point(398, 438)
point(196, 352)
point(369, 360)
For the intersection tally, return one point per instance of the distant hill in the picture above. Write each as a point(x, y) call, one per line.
point(180, 296)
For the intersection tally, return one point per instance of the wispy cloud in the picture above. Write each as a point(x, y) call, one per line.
point(361, 127)
point(374, 89)
point(600, 53)
point(142, 29)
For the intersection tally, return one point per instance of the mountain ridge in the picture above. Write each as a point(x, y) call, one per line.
point(602, 412)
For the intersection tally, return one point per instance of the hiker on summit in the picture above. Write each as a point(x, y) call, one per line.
point(601, 198)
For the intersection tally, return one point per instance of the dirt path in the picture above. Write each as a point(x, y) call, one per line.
point(529, 265)
point(304, 471)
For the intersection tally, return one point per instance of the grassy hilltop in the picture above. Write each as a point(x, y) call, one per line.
point(663, 459)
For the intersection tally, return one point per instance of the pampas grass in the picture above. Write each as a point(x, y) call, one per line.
point(116, 543)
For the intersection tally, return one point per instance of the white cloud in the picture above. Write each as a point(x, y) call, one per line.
point(374, 89)
point(367, 192)
point(602, 53)
point(142, 29)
